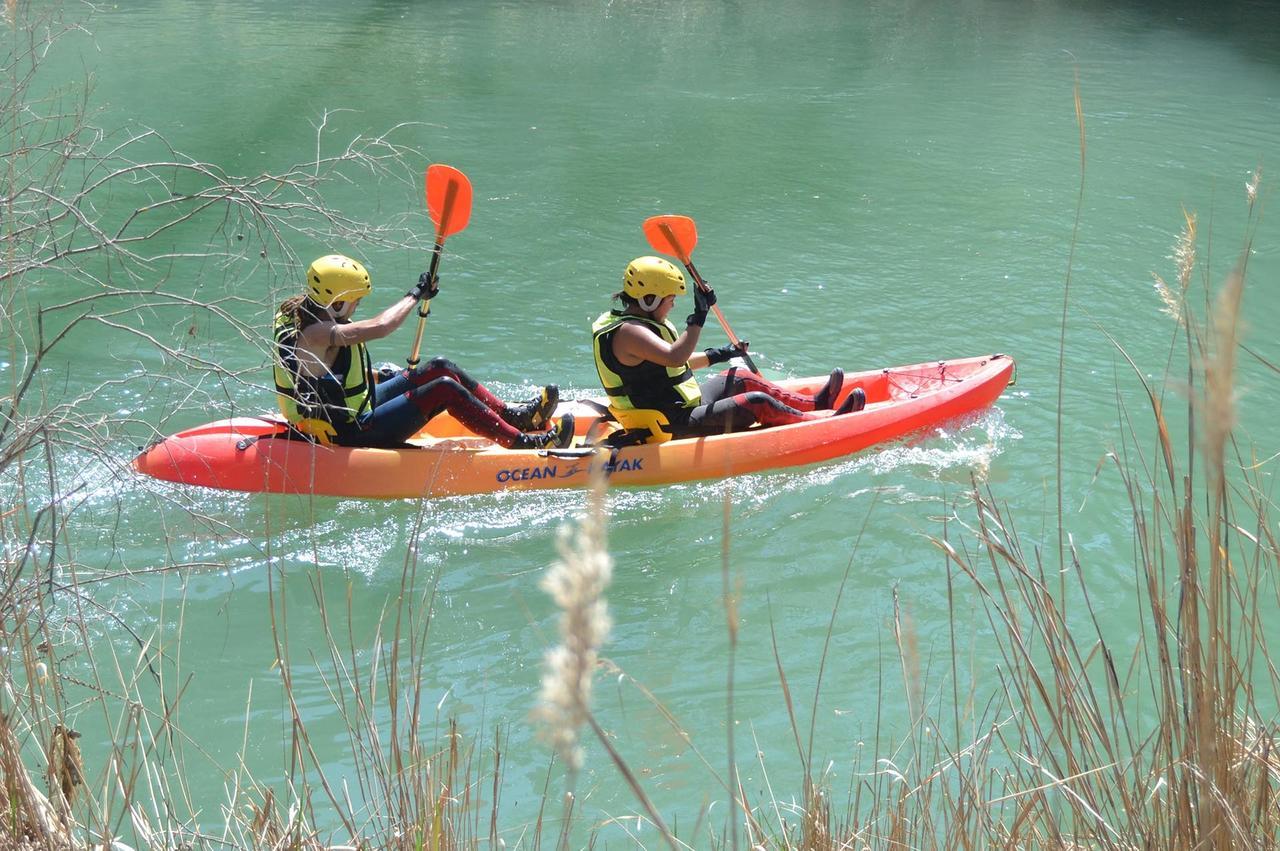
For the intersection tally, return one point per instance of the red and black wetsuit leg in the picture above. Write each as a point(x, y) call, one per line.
point(396, 418)
point(435, 368)
point(735, 400)
point(734, 382)
point(742, 411)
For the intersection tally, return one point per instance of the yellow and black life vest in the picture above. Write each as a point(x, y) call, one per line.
point(337, 398)
point(647, 397)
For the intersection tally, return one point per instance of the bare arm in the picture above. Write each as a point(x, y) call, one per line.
point(633, 344)
point(323, 335)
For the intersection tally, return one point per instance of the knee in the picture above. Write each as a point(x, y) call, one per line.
point(441, 365)
point(443, 386)
point(757, 397)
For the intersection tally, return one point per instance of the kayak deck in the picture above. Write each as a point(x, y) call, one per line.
point(256, 454)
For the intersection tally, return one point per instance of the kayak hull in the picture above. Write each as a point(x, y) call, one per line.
point(253, 453)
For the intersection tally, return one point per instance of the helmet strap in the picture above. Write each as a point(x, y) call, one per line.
point(348, 307)
point(649, 303)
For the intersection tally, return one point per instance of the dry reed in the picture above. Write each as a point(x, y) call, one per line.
point(576, 583)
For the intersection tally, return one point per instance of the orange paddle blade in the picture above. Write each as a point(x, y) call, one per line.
point(674, 235)
point(448, 199)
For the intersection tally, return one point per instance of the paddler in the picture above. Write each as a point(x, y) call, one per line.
point(646, 366)
point(325, 382)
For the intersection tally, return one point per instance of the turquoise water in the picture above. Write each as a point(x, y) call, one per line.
point(874, 184)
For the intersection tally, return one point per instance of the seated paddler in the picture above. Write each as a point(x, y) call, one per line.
point(646, 365)
point(327, 389)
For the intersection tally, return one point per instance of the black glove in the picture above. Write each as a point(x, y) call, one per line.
point(720, 354)
point(427, 287)
point(702, 302)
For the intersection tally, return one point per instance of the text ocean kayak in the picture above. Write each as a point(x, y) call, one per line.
point(256, 454)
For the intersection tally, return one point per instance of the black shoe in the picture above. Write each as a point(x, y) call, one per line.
point(855, 401)
point(826, 398)
point(561, 434)
point(536, 413)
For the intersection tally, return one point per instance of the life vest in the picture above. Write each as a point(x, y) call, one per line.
point(337, 398)
point(648, 397)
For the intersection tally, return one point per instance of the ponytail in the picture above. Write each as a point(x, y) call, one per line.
point(301, 311)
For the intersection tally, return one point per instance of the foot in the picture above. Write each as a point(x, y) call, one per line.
point(826, 398)
point(536, 413)
point(561, 434)
point(855, 401)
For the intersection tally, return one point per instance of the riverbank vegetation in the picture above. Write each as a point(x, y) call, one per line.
point(1164, 737)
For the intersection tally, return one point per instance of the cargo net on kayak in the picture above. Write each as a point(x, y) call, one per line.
point(913, 383)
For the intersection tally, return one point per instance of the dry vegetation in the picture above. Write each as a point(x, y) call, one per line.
point(1073, 742)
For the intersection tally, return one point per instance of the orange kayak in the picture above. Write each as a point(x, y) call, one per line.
point(258, 454)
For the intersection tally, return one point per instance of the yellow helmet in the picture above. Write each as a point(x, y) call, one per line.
point(337, 278)
point(650, 279)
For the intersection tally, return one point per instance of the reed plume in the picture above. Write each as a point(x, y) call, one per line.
point(1184, 258)
point(576, 582)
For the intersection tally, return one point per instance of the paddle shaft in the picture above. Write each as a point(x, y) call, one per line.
point(424, 305)
point(702, 285)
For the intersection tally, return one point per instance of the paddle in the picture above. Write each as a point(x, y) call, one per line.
point(449, 205)
point(677, 236)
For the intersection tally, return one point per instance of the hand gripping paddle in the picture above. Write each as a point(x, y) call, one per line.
point(676, 236)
